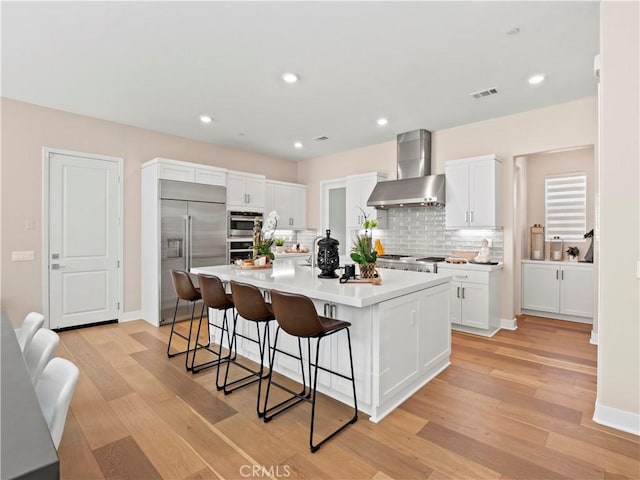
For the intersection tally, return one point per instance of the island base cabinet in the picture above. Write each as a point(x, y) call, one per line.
point(412, 340)
point(398, 346)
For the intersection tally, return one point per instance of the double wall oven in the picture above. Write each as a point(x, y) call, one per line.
point(240, 234)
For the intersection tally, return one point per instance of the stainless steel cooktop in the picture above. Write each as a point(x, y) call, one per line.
point(407, 262)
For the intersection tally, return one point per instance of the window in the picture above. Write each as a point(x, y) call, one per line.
point(565, 201)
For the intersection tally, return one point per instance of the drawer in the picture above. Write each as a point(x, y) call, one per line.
point(470, 276)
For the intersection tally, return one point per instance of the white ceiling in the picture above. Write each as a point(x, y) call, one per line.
point(159, 65)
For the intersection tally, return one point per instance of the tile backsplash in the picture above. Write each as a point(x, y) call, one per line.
point(421, 231)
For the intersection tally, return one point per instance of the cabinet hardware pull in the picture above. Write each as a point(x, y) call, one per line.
point(332, 310)
point(326, 307)
point(458, 293)
point(471, 216)
point(556, 274)
point(466, 217)
point(462, 292)
point(562, 275)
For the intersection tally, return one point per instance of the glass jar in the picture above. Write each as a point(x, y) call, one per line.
point(555, 249)
point(536, 242)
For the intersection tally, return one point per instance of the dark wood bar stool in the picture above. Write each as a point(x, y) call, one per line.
point(214, 297)
point(297, 316)
point(250, 305)
point(186, 291)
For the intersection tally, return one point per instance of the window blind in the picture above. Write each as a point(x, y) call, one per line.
point(566, 206)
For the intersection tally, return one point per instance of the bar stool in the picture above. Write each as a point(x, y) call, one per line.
point(215, 297)
point(250, 304)
point(186, 291)
point(297, 316)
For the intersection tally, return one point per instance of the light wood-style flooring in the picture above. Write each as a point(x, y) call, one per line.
point(517, 406)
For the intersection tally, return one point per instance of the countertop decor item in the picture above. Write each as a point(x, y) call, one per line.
point(573, 253)
point(328, 256)
point(536, 242)
point(263, 237)
point(555, 249)
point(362, 251)
point(588, 257)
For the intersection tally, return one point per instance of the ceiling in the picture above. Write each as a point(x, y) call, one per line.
point(160, 65)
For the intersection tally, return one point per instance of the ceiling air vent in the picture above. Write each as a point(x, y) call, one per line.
point(321, 138)
point(484, 93)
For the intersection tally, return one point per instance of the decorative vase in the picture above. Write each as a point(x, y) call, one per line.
point(279, 249)
point(368, 270)
point(328, 256)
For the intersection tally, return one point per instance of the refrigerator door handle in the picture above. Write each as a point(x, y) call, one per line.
point(187, 254)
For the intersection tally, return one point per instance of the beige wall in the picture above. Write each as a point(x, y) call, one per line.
point(554, 163)
point(619, 249)
point(553, 128)
point(27, 128)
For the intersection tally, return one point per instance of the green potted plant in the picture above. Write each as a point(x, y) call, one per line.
point(362, 251)
point(279, 243)
point(573, 253)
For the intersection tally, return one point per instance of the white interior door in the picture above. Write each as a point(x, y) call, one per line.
point(84, 210)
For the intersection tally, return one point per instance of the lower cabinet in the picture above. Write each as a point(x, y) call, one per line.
point(474, 297)
point(558, 289)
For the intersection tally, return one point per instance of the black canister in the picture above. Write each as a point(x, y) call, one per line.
point(328, 256)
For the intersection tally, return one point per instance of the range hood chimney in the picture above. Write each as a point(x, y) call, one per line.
point(415, 186)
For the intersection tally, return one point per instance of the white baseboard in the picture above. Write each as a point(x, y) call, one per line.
point(130, 316)
point(509, 324)
point(616, 418)
point(594, 338)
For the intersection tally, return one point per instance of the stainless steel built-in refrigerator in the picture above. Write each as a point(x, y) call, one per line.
point(193, 231)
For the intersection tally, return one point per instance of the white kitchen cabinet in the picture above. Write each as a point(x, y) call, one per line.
point(474, 191)
point(474, 296)
point(558, 289)
point(167, 169)
point(290, 201)
point(359, 188)
point(245, 191)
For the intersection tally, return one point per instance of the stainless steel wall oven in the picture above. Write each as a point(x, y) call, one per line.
point(240, 234)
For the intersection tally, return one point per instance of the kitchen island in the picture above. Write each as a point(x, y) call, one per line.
point(400, 330)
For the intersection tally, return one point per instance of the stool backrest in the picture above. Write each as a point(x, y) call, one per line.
point(54, 390)
point(41, 349)
point(212, 291)
point(296, 314)
point(249, 302)
point(31, 324)
point(184, 286)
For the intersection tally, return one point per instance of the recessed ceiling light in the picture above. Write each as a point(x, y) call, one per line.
point(206, 119)
point(289, 77)
point(382, 121)
point(298, 145)
point(534, 80)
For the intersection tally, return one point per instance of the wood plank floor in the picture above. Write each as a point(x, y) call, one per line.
point(516, 406)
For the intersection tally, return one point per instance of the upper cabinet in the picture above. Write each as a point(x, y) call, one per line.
point(166, 169)
point(474, 191)
point(289, 200)
point(359, 188)
point(245, 191)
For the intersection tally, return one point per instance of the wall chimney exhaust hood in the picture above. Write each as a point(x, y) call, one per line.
point(415, 186)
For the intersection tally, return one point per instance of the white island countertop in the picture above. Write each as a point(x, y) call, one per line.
point(294, 278)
